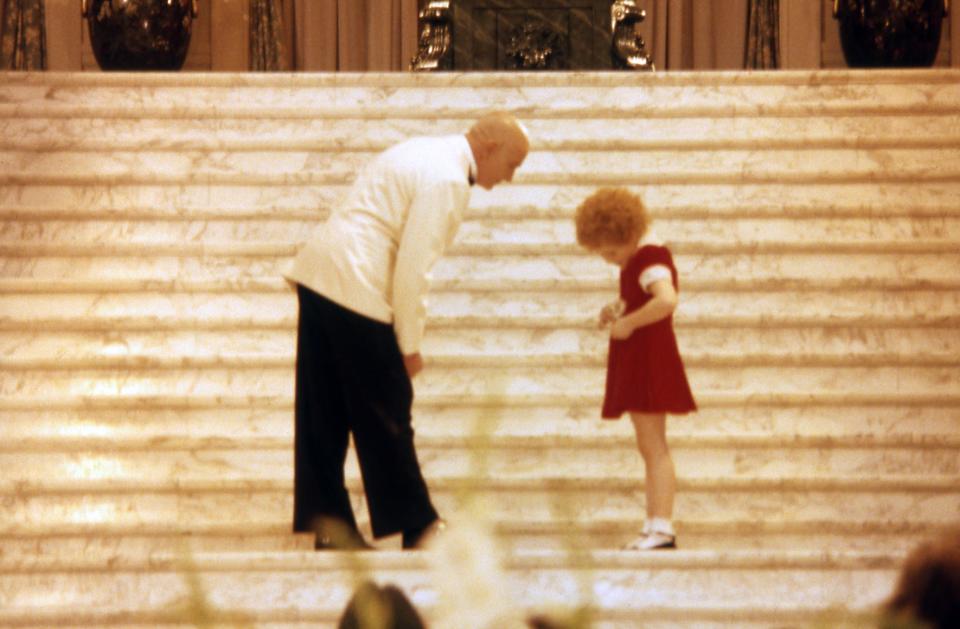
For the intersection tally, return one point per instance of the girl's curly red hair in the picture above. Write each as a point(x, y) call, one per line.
point(610, 216)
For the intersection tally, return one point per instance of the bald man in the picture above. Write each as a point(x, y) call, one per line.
point(361, 282)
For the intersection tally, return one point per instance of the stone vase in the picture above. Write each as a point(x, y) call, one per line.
point(890, 33)
point(140, 34)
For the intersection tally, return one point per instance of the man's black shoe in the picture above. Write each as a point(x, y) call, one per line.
point(418, 538)
point(324, 542)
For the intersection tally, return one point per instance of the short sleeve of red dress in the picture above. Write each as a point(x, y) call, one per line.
point(645, 372)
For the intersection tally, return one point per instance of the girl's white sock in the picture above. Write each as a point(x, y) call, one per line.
point(658, 525)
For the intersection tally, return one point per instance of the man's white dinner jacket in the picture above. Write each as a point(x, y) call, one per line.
point(374, 253)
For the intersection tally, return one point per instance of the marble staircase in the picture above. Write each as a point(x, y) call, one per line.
point(146, 340)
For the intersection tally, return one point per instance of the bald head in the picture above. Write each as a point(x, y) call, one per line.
point(499, 143)
point(499, 126)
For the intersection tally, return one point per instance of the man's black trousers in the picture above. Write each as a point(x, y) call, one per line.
point(351, 379)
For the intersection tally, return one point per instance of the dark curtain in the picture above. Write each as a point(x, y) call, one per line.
point(266, 36)
point(763, 35)
point(23, 43)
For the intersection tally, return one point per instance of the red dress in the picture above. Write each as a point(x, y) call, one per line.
point(645, 372)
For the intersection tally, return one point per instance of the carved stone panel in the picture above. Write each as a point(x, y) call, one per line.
point(531, 34)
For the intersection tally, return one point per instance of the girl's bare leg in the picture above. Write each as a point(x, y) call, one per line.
point(661, 479)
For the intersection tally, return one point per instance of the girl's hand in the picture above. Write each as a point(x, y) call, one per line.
point(610, 312)
point(621, 329)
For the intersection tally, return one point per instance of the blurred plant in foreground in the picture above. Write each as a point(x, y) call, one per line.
point(467, 561)
point(197, 609)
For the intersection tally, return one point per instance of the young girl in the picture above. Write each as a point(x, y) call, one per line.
point(645, 375)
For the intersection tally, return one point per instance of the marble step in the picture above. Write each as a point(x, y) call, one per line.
point(118, 348)
point(507, 272)
point(705, 451)
point(824, 265)
point(920, 357)
point(573, 312)
point(310, 202)
point(305, 583)
point(454, 95)
point(514, 459)
point(603, 283)
point(270, 133)
point(27, 392)
point(142, 429)
point(500, 385)
point(55, 542)
point(88, 545)
point(698, 245)
point(478, 235)
point(927, 499)
point(772, 401)
point(164, 427)
point(69, 547)
point(558, 535)
point(782, 233)
point(849, 78)
point(651, 617)
point(277, 168)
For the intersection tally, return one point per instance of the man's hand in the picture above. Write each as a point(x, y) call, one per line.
point(413, 363)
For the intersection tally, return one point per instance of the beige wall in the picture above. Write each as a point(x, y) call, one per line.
point(679, 37)
point(800, 34)
point(64, 35)
point(229, 48)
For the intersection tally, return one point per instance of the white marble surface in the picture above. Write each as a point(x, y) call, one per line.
point(119, 429)
point(562, 311)
point(441, 460)
point(452, 346)
point(146, 340)
point(854, 580)
point(481, 235)
point(510, 270)
point(832, 77)
point(455, 94)
point(629, 133)
point(199, 506)
point(589, 168)
point(699, 201)
point(505, 385)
